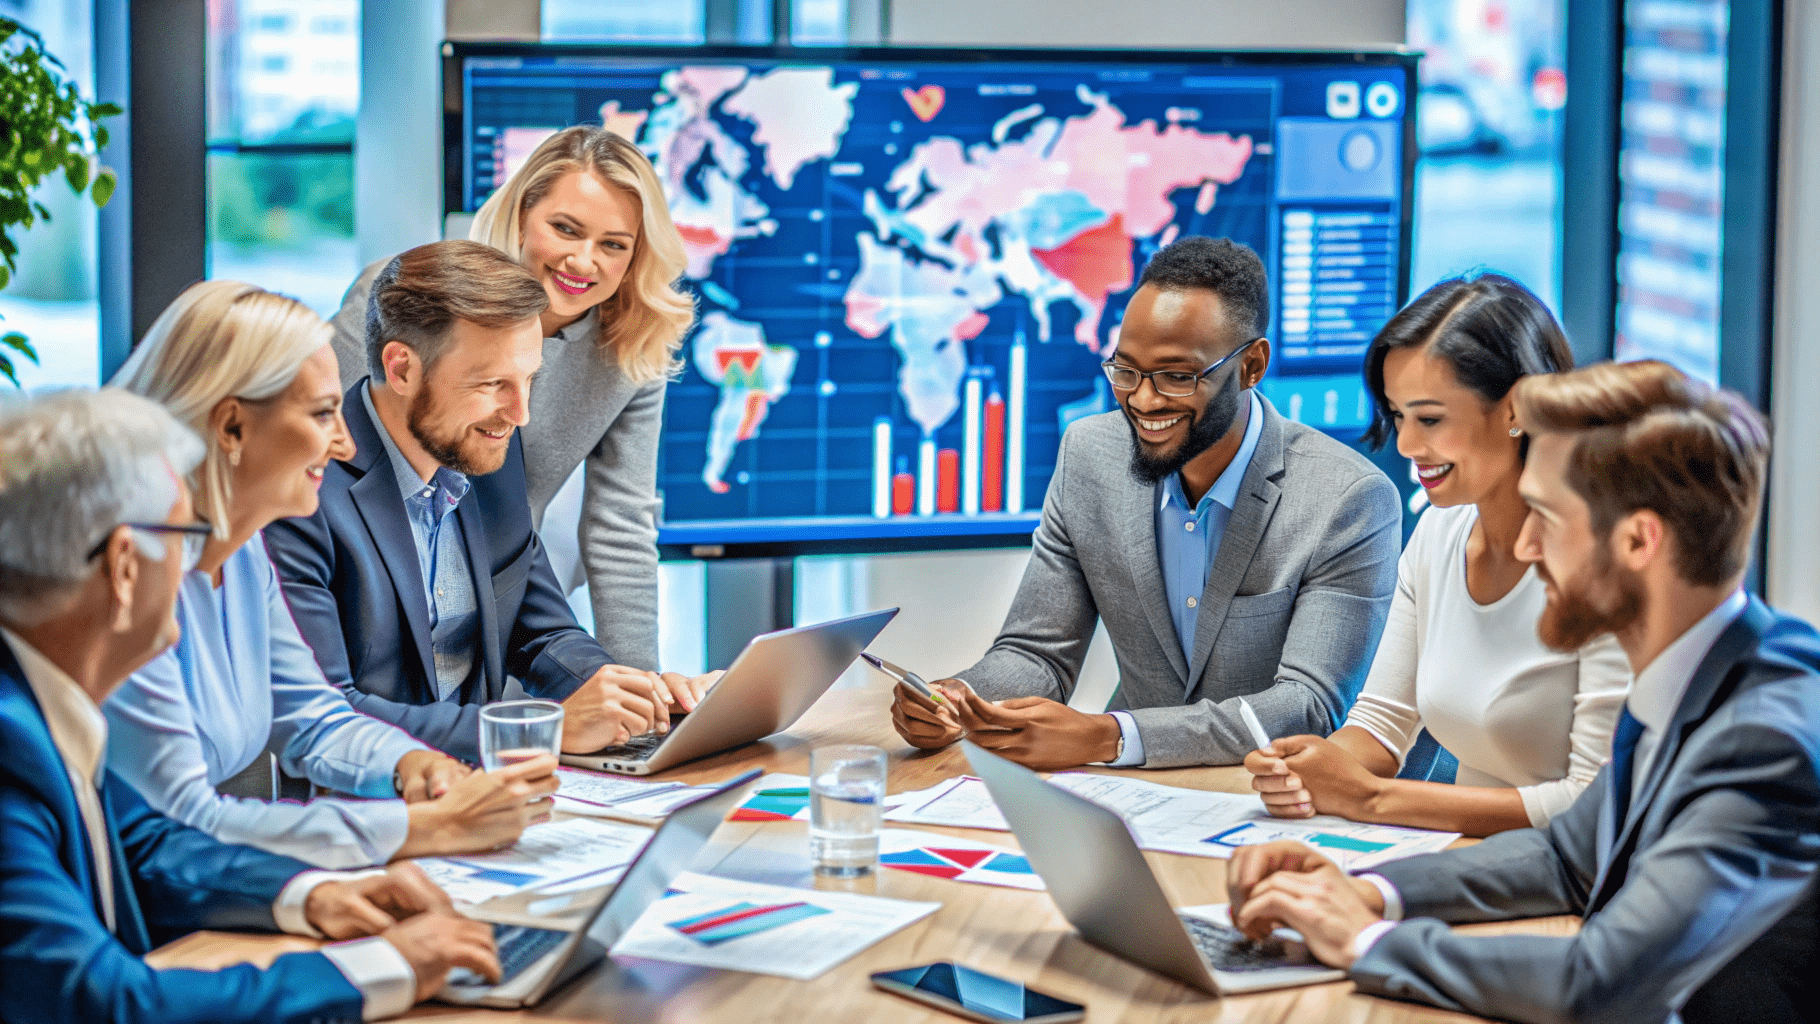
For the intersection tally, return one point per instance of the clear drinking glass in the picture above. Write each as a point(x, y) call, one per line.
point(518, 730)
point(846, 801)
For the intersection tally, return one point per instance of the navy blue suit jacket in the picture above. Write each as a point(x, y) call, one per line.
point(1700, 903)
point(351, 577)
point(58, 961)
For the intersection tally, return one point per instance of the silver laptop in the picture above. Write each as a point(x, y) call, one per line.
point(1098, 877)
point(535, 961)
point(765, 690)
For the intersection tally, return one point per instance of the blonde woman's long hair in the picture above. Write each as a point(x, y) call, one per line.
point(220, 340)
point(644, 322)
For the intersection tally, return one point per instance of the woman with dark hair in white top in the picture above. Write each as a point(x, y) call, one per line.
point(1460, 655)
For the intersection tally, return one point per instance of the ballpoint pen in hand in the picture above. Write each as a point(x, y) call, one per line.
point(1258, 735)
point(905, 676)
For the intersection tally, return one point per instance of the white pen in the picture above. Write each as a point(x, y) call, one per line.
point(1258, 734)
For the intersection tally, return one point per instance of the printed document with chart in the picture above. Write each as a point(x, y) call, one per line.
point(763, 929)
point(1170, 819)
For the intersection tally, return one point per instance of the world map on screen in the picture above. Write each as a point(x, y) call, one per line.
point(1043, 210)
point(907, 276)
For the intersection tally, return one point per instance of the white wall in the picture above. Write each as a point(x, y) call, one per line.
point(1794, 497)
point(1276, 24)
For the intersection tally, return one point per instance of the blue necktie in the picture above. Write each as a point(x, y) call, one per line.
point(1623, 751)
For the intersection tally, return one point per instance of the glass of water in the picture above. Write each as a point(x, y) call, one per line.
point(518, 730)
point(846, 799)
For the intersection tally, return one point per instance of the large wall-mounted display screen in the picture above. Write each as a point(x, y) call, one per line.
point(909, 263)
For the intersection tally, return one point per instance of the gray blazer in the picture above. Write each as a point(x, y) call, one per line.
point(1295, 598)
point(1699, 903)
point(581, 407)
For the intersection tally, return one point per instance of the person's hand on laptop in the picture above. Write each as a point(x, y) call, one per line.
point(1040, 733)
point(1286, 884)
point(436, 943)
point(614, 705)
point(681, 693)
point(483, 811)
point(427, 774)
point(924, 723)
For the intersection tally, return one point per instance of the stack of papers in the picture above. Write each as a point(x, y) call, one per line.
point(554, 857)
point(1175, 820)
point(619, 796)
point(763, 929)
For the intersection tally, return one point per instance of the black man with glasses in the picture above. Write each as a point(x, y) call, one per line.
point(1234, 556)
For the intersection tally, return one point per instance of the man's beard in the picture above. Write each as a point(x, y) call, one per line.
point(1209, 425)
point(459, 450)
point(1577, 612)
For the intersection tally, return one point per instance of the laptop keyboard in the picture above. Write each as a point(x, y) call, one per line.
point(519, 948)
point(638, 748)
point(1228, 949)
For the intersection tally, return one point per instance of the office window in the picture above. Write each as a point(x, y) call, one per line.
point(51, 298)
point(1488, 186)
point(283, 92)
point(649, 21)
point(818, 22)
point(1671, 183)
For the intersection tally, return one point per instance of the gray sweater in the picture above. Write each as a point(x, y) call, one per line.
point(581, 407)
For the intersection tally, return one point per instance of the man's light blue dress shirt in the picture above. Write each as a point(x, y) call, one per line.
point(442, 555)
point(1187, 541)
point(240, 681)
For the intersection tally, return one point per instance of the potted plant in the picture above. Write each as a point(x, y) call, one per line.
point(45, 127)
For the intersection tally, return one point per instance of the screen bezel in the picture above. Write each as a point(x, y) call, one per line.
point(890, 982)
point(692, 539)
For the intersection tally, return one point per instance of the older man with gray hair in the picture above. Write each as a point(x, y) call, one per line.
point(96, 531)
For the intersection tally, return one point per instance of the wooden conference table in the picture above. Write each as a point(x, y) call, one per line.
point(1010, 932)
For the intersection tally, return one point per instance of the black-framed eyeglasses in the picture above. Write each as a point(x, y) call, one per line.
point(1169, 383)
point(192, 535)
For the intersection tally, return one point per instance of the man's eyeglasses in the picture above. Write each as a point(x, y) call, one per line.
point(192, 535)
point(1168, 383)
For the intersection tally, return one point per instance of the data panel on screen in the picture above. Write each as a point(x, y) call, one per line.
point(909, 264)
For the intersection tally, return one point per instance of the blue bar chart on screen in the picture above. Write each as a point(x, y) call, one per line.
point(909, 263)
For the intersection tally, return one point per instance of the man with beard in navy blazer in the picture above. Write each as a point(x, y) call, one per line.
point(1693, 855)
point(420, 582)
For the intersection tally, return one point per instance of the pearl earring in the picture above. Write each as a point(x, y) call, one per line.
point(234, 458)
point(1514, 432)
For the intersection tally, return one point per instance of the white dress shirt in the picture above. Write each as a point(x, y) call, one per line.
point(1654, 698)
point(1664, 681)
point(387, 984)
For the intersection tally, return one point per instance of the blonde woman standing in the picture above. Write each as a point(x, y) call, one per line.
point(253, 374)
point(586, 216)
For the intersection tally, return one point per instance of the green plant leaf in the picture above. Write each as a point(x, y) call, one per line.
point(21, 344)
point(6, 370)
point(75, 170)
point(102, 190)
point(6, 275)
point(105, 110)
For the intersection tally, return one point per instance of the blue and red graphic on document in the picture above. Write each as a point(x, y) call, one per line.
point(740, 919)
